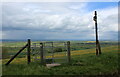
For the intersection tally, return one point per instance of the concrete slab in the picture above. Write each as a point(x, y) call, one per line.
point(52, 65)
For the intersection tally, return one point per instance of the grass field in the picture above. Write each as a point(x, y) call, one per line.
point(83, 62)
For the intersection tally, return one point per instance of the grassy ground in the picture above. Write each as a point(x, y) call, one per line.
point(84, 62)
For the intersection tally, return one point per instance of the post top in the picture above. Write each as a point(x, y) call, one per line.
point(95, 12)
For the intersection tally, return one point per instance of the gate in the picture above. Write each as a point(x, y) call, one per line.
point(51, 52)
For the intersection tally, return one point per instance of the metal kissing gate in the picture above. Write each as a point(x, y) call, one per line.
point(50, 52)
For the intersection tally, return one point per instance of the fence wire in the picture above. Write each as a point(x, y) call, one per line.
point(53, 52)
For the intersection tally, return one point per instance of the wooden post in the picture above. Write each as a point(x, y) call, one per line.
point(98, 49)
point(28, 51)
point(41, 53)
point(16, 54)
point(52, 52)
point(68, 51)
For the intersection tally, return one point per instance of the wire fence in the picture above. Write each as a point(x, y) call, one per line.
point(53, 52)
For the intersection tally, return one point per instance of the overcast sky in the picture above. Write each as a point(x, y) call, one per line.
point(59, 20)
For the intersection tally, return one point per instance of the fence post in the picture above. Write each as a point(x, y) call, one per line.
point(68, 51)
point(41, 53)
point(28, 51)
point(52, 52)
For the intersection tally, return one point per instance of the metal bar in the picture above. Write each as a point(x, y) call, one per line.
point(55, 42)
point(56, 58)
point(48, 46)
point(60, 58)
point(53, 47)
point(61, 62)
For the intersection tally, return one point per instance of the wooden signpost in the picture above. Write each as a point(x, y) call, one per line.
point(98, 48)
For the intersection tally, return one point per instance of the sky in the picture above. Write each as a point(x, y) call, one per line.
point(59, 20)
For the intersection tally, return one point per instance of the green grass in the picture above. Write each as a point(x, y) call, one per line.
point(83, 64)
point(88, 64)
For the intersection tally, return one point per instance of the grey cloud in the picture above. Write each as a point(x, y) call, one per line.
point(46, 21)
